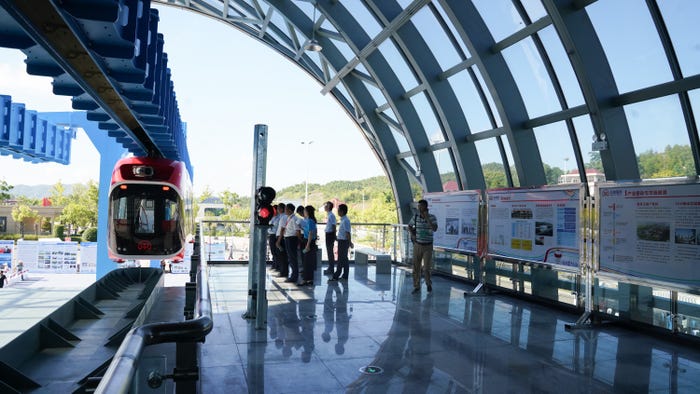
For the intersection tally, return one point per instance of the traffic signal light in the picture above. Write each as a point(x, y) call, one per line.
point(263, 205)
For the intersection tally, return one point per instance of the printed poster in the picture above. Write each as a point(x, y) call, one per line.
point(540, 225)
point(7, 246)
point(88, 257)
point(457, 214)
point(651, 231)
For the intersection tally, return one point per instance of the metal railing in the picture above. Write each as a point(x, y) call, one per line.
point(121, 372)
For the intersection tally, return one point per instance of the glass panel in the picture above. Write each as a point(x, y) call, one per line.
point(344, 49)
point(626, 49)
point(491, 163)
point(471, 103)
point(453, 31)
point(412, 163)
point(401, 142)
point(533, 82)
point(398, 64)
point(584, 133)
point(500, 16)
point(689, 309)
point(436, 38)
point(509, 156)
point(363, 16)
point(681, 21)
point(660, 138)
point(492, 104)
point(562, 66)
point(555, 149)
point(376, 94)
point(446, 169)
point(534, 9)
point(430, 124)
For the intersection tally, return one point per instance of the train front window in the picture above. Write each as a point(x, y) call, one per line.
point(145, 215)
point(145, 221)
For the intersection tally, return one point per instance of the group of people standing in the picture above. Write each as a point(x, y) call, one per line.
point(295, 229)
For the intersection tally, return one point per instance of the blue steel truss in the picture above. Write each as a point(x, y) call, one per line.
point(26, 135)
point(113, 65)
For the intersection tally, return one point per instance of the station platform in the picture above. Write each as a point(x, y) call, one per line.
point(370, 334)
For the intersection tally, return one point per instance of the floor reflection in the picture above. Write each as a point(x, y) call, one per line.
point(433, 342)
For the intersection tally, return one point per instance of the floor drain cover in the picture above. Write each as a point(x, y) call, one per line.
point(371, 370)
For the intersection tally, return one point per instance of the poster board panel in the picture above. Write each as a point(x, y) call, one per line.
point(457, 214)
point(539, 225)
point(650, 231)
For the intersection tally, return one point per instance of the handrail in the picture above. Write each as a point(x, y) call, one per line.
point(121, 371)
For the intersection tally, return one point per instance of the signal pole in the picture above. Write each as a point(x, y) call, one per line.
point(257, 296)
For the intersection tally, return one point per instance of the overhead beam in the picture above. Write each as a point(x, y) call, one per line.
point(47, 27)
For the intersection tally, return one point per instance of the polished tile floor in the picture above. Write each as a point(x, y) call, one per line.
point(370, 334)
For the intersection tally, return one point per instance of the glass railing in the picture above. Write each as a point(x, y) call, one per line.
point(228, 240)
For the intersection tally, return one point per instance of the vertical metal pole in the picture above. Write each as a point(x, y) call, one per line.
point(259, 261)
point(259, 167)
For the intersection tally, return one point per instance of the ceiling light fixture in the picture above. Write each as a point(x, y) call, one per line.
point(313, 45)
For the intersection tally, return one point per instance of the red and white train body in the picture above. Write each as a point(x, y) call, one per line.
point(150, 209)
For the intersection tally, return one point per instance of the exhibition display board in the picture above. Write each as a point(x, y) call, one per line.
point(184, 266)
point(650, 231)
point(538, 225)
point(88, 257)
point(54, 256)
point(457, 214)
point(6, 250)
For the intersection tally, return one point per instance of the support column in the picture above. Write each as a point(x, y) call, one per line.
point(110, 151)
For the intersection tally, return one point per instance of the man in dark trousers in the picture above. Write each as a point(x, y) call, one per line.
point(3, 279)
point(330, 237)
point(422, 226)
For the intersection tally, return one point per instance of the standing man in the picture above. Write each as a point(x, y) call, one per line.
point(290, 231)
point(3, 279)
point(344, 243)
point(272, 236)
point(279, 244)
point(330, 237)
point(422, 226)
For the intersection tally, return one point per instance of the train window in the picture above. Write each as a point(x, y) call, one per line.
point(144, 217)
point(145, 220)
point(119, 208)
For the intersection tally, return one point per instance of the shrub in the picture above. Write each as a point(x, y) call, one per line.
point(59, 230)
point(90, 235)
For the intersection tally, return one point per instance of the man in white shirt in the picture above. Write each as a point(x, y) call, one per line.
point(289, 231)
point(279, 243)
point(330, 237)
point(272, 236)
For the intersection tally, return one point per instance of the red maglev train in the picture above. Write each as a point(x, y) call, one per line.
point(150, 209)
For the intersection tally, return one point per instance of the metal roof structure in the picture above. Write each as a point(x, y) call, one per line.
point(436, 86)
point(441, 88)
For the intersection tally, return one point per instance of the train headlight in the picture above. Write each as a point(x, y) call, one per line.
point(142, 171)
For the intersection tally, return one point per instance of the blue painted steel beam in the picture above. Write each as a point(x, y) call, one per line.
point(27, 136)
point(121, 39)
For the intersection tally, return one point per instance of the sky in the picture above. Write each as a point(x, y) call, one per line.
point(225, 83)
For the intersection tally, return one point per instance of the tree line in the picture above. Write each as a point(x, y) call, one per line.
point(369, 200)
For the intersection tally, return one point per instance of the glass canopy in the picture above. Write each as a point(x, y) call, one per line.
point(498, 93)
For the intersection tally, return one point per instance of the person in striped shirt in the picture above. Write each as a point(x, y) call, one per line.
point(422, 226)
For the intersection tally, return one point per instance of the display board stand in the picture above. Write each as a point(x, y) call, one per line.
point(588, 248)
point(481, 289)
